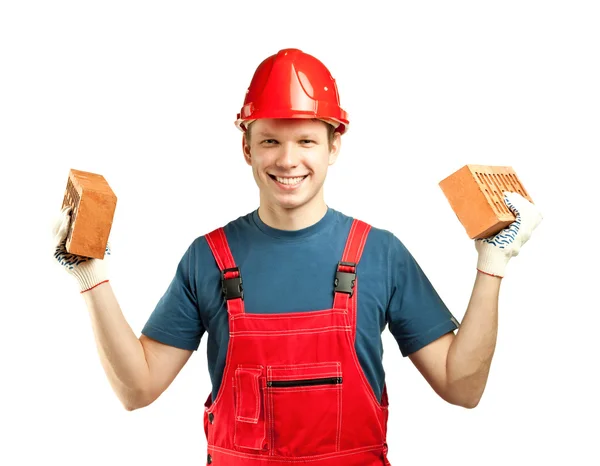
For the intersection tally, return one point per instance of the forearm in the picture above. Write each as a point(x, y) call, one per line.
point(121, 353)
point(470, 355)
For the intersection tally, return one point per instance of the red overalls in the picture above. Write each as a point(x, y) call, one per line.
point(293, 390)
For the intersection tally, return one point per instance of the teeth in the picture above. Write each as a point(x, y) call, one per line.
point(289, 181)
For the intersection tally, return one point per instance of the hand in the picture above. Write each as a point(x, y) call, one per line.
point(88, 271)
point(495, 252)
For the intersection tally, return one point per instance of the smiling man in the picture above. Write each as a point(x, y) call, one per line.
point(289, 159)
point(294, 297)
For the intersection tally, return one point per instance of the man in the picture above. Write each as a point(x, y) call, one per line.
point(294, 297)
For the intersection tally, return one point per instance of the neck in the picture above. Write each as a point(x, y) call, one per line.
point(292, 219)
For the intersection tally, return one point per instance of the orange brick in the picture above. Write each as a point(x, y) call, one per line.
point(93, 206)
point(475, 194)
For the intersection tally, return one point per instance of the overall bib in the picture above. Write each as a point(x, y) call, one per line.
point(293, 390)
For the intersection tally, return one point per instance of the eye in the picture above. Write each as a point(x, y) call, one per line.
point(269, 141)
point(307, 141)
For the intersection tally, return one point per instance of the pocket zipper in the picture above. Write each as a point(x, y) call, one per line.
point(304, 382)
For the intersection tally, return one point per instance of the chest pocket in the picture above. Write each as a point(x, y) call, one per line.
point(304, 406)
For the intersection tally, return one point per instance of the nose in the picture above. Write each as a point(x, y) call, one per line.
point(288, 157)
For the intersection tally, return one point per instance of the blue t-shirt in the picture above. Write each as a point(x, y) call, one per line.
point(293, 271)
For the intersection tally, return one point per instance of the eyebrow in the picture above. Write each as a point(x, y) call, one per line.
point(264, 134)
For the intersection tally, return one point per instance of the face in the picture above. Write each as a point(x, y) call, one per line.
point(289, 160)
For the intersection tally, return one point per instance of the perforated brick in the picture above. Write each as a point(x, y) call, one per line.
point(475, 194)
point(93, 205)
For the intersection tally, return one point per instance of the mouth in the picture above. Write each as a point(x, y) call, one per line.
point(288, 182)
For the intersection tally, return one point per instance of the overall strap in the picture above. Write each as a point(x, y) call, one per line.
point(231, 278)
point(345, 277)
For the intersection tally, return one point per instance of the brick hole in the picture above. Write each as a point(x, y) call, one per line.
point(516, 185)
point(495, 182)
point(506, 182)
point(490, 191)
point(499, 196)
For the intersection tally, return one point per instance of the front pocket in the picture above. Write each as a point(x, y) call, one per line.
point(250, 424)
point(305, 408)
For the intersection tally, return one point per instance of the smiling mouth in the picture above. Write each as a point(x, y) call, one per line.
point(288, 181)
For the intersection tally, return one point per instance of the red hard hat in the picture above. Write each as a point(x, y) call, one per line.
point(292, 84)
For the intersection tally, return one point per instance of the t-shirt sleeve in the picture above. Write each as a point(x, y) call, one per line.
point(416, 314)
point(176, 320)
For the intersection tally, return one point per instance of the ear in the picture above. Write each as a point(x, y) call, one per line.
point(246, 150)
point(336, 145)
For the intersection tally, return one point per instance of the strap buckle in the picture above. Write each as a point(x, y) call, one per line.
point(232, 287)
point(344, 281)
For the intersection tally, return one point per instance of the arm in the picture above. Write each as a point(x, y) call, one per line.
point(139, 370)
point(457, 366)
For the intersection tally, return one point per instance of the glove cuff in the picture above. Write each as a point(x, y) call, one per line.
point(90, 275)
point(492, 261)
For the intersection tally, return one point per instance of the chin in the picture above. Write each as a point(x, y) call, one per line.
point(289, 204)
point(295, 202)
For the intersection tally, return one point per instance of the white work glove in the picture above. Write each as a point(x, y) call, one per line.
point(495, 252)
point(88, 271)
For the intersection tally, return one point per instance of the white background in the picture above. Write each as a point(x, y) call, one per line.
point(145, 93)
